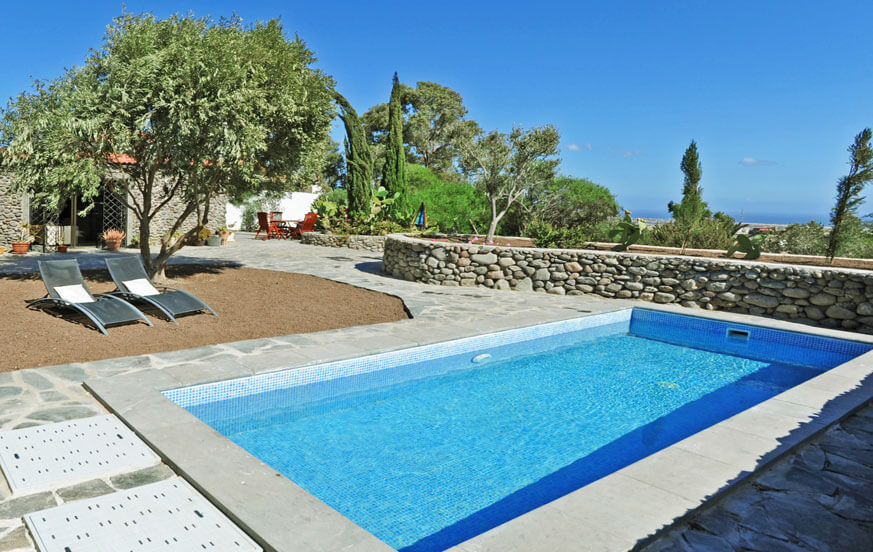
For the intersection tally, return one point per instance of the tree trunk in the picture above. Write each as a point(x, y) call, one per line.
point(495, 218)
point(145, 232)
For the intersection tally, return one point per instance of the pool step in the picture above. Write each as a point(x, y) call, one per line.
point(169, 516)
point(54, 455)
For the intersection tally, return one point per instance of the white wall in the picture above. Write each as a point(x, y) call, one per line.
point(293, 206)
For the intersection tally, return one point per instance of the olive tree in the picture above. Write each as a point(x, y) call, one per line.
point(180, 110)
point(506, 166)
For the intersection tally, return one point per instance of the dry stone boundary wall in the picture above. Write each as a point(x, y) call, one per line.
point(367, 243)
point(832, 298)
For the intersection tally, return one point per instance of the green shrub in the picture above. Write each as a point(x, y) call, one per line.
point(857, 239)
point(714, 232)
point(547, 235)
point(452, 207)
point(563, 201)
point(798, 239)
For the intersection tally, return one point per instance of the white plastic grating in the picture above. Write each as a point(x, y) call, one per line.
point(169, 516)
point(52, 455)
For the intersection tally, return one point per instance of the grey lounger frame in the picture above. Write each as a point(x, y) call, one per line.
point(171, 301)
point(105, 310)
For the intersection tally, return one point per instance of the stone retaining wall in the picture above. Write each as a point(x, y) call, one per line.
point(11, 213)
point(368, 243)
point(833, 298)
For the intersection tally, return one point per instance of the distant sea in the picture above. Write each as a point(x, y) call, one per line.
point(760, 218)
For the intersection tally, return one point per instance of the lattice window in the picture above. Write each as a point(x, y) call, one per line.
point(114, 212)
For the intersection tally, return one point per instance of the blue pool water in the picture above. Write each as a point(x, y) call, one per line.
point(427, 454)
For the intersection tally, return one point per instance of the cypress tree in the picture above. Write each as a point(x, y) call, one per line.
point(359, 162)
point(849, 188)
point(692, 210)
point(394, 173)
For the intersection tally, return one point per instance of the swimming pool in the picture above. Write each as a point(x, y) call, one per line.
point(426, 448)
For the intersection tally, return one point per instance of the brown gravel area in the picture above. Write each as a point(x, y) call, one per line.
point(250, 303)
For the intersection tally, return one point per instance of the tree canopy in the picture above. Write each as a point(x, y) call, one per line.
point(182, 108)
point(394, 172)
point(849, 189)
point(434, 126)
point(692, 210)
point(359, 161)
point(506, 166)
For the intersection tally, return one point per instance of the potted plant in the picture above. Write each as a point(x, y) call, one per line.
point(202, 235)
point(225, 234)
point(113, 238)
point(214, 240)
point(62, 247)
point(26, 237)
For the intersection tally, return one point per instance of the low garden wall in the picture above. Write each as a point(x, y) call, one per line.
point(368, 243)
point(833, 298)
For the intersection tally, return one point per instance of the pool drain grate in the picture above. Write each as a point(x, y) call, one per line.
point(169, 516)
point(53, 455)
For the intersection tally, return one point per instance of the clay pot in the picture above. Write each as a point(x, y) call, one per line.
point(62, 248)
point(20, 248)
point(113, 244)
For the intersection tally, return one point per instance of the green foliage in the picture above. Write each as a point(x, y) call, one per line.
point(505, 167)
point(627, 232)
point(394, 171)
point(849, 190)
point(204, 108)
point(563, 201)
point(359, 162)
point(857, 239)
point(744, 244)
point(329, 207)
point(452, 207)
point(797, 239)
point(546, 234)
point(690, 214)
point(433, 130)
point(713, 232)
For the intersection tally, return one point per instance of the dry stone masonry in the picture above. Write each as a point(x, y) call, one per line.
point(11, 213)
point(832, 298)
point(367, 243)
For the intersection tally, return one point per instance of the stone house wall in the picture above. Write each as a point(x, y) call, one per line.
point(12, 213)
point(832, 298)
point(164, 220)
point(367, 243)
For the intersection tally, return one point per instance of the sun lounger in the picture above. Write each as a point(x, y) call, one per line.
point(66, 288)
point(134, 284)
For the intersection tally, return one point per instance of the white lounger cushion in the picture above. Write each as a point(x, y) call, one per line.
point(141, 286)
point(74, 294)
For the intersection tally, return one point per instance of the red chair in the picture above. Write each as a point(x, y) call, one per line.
point(268, 227)
point(308, 225)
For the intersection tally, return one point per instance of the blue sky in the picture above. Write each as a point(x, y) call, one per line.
point(773, 92)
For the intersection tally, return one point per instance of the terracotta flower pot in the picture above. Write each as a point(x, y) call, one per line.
point(20, 248)
point(113, 244)
point(62, 248)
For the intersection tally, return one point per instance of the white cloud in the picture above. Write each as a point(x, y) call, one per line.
point(573, 147)
point(588, 146)
point(754, 161)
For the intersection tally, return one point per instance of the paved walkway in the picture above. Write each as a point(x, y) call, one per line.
point(828, 479)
